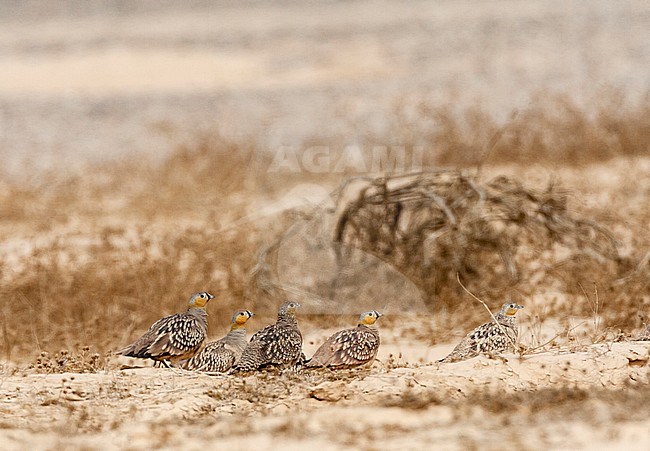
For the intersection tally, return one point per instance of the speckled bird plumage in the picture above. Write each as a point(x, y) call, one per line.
point(175, 337)
point(220, 356)
point(490, 338)
point(278, 344)
point(349, 348)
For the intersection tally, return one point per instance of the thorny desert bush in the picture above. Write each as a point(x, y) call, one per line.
point(94, 258)
point(435, 225)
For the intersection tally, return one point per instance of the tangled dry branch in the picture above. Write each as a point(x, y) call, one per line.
point(433, 225)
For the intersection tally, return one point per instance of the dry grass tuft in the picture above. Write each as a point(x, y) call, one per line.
point(64, 361)
point(552, 130)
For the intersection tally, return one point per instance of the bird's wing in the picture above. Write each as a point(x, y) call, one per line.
point(251, 358)
point(468, 347)
point(349, 347)
point(281, 344)
point(177, 335)
point(274, 344)
point(140, 347)
point(261, 333)
point(215, 357)
point(486, 338)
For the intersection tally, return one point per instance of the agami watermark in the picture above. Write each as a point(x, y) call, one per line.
point(352, 158)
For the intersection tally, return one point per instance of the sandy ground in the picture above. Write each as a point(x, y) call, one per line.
point(554, 400)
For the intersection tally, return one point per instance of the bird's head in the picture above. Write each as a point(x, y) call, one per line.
point(200, 300)
point(510, 309)
point(369, 318)
point(288, 308)
point(240, 317)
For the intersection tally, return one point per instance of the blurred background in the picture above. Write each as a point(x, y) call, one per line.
point(136, 140)
point(87, 81)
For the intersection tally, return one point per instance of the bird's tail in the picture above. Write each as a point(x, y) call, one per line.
point(451, 358)
point(124, 351)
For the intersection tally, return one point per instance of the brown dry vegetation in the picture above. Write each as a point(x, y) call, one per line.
point(552, 130)
point(94, 258)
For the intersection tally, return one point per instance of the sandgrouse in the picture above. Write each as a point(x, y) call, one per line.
point(219, 356)
point(349, 348)
point(490, 338)
point(278, 344)
point(175, 337)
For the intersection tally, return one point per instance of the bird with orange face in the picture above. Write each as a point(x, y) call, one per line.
point(350, 348)
point(219, 356)
point(176, 337)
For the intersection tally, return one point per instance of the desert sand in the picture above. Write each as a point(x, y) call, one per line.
point(559, 399)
